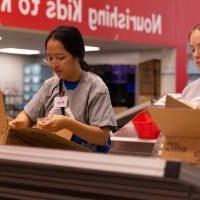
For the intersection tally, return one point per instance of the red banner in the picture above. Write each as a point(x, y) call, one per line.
point(117, 20)
point(148, 22)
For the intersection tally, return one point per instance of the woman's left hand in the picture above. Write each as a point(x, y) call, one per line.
point(53, 123)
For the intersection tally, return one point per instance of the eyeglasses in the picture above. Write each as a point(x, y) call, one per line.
point(53, 60)
point(196, 49)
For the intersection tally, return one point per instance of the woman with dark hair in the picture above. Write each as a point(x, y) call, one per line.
point(75, 99)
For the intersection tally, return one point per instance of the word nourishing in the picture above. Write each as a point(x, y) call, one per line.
point(119, 20)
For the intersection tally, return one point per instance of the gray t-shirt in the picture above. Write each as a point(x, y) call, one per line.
point(191, 91)
point(89, 102)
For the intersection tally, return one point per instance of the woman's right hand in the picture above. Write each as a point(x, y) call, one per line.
point(18, 123)
point(21, 121)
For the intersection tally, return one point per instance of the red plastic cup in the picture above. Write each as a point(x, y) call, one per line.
point(145, 127)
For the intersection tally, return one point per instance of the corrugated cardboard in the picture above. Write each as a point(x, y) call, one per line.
point(3, 120)
point(180, 127)
point(33, 136)
point(171, 102)
point(149, 78)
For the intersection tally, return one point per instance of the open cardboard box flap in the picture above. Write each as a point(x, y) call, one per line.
point(33, 136)
point(181, 130)
point(177, 122)
point(172, 102)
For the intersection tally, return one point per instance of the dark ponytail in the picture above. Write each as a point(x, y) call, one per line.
point(84, 65)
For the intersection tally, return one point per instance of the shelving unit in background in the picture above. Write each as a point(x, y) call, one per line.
point(120, 80)
point(14, 104)
point(34, 76)
point(149, 80)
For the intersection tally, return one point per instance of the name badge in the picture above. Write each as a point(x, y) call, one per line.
point(60, 102)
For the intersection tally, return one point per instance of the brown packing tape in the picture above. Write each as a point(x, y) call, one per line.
point(65, 134)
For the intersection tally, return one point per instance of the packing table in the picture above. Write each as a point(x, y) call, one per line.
point(36, 173)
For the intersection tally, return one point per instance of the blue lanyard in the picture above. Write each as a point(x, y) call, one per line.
point(61, 94)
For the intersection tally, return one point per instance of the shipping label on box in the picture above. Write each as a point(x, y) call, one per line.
point(187, 149)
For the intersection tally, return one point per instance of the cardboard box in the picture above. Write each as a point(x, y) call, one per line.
point(3, 121)
point(180, 126)
point(34, 137)
point(149, 78)
point(119, 109)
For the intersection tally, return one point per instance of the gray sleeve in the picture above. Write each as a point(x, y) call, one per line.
point(185, 92)
point(191, 90)
point(101, 111)
point(35, 107)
